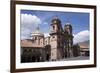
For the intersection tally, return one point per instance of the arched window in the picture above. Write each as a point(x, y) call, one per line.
point(53, 27)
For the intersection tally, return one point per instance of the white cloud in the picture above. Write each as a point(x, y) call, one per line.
point(28, 19)
point(81, 36)
point(45, 23)
point(28, 24)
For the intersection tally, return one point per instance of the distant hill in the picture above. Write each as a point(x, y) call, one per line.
point(84, 44)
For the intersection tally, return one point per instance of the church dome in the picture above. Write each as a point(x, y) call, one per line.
point(68, 25)
point(37, 32)
point(56, 20)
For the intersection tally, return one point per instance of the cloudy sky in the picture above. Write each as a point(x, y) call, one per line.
point(30, 19)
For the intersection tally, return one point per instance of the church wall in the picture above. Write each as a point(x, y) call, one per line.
point(41, 41)
point(53, 41)
point(53, 54)
point(47, 41)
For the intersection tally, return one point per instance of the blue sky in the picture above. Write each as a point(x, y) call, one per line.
point(79, 21)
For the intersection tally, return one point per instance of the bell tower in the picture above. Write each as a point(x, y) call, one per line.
point(68, 37)
point(56, 38)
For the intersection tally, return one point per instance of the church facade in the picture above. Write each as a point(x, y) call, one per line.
point(57, 46)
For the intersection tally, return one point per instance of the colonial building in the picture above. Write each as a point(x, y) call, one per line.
point(84, 48)
point(57, 46)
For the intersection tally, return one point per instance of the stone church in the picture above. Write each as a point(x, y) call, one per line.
point(57, 46)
